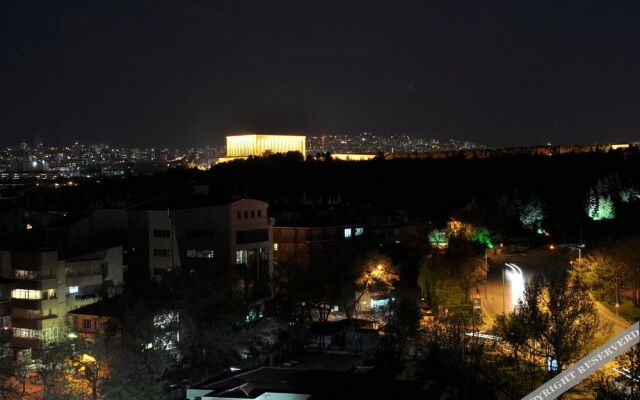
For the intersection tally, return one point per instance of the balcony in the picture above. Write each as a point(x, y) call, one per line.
point(31, 323)
point(29, 275)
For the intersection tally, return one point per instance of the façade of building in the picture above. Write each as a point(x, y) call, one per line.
point(47, 288)
point(228, 238)
point(295, 242)
point(243, 146)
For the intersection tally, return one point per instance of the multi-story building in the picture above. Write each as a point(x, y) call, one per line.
point(221, 238)
point(6, 286)
point(47, 288)
point(243, 146)
point(298, 242)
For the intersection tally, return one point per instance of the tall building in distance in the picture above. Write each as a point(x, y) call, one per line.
point(243, 146)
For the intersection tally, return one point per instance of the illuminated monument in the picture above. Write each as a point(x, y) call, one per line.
point(243, 146)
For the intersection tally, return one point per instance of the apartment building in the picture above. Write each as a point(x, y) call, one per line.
point(47, 288)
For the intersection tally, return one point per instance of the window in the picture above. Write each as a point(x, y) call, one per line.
point(200, 234)
point(259, 213)
point(347, 232)
point(359, 231)
point(88, 324)
point(73, 289)
point(239, 214)
point(25, 313)
point(246, 214)
point(241, 257)
point(200, 253)
point(24, 274)
point(253, 213)
point(27, 333)
point(252, 236)
point(275, 247)
point(161, 233)
point(161, 252)
point(26, 294)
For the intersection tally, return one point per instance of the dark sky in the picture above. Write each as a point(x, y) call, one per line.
point(182, 73)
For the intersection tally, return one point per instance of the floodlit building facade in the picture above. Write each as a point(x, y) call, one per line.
point(243, 146)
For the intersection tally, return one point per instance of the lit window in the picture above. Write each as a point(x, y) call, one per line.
point(275, 247)
point(73, 289)
point(347, 232)
point(200, 253)
point(26, 294)
point(359, 231)
point(24, 274)
point(27, 333)
point(29, 227)
point(241, 257)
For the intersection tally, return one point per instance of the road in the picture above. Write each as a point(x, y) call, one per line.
point(532, 263)
point(618, 324)
point(498, 297)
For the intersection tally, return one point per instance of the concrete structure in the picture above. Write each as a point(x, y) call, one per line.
point(47, 288)
point(220, 238)
point(243, 146)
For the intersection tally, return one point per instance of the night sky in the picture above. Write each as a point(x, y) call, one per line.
point(182, 73)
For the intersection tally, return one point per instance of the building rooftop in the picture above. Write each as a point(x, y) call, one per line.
point(332, 327)
point(103, 308)
point(251, 384)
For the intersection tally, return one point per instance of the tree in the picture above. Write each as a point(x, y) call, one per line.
point(8, 385)
point(626, 253)
point(624, 386)
point(448, 278)
point(513, 328)
point(452, 363)
point(561, 314)
point(50, 367)
point(135, 372)
point(88, 363)
point(613, 262)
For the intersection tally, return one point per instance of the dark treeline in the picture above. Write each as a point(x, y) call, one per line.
point(481, 189)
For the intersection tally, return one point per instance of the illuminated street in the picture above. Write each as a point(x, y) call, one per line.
point(529, 264)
